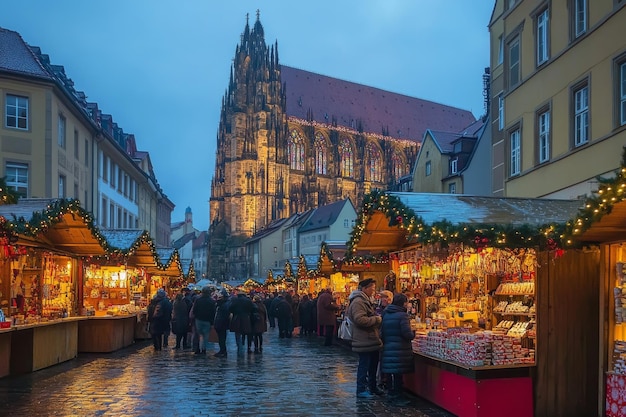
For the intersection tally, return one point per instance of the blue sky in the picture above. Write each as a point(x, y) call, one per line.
point(160, 68)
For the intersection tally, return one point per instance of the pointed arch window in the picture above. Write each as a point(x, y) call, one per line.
point(296, 151)
point(375, 163)
point(321, 154)
point(397, 166)
point(347, 158)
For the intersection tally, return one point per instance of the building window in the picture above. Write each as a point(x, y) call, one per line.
point(375, 171)
point(321, 158)
point(295, 148)
point(543, 134)
point(579, 18)
point(61, 132)
point(397, 166)
point(112, 216)
point(543, 36)
point(514, 62)
point(103, 215)
point(514, 144)
point(500, 111)
point(62, 186)
point(621, 91)
point(581, 115)
point(452, 188)
point(112, 174)
point(86, 153)
point(500, 49)
point(428, 168)
point(16, 112)
point(17, 178)
point(453, 165)
point(76, 196)
point(347, 158)
point(76, 153)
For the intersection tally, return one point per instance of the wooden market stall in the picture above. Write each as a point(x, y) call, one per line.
point(602, 224)
point(504, 315)
point(118, 286)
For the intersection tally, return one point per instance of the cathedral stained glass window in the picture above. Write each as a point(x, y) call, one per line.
point(321, 158)
point(296, 151)
point(375, 163)
point(397, 166)
point(347, 158)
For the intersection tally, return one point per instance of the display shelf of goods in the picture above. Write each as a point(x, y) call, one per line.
point(516, 288)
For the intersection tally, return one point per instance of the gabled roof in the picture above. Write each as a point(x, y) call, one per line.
point(402, 117)
point(201, 240)
point(269, 229)
point(444, 140)
point(17, 57)
point(324, 216)
point(177, 244)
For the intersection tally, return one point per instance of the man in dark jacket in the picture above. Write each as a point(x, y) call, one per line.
point(326, 315)
point(159, 316)
point(222, 321)
point(241, 323)
point(204, 314)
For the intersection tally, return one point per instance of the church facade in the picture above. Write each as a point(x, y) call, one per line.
point(290, 140)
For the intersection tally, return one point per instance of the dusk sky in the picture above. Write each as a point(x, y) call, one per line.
point(161, 68)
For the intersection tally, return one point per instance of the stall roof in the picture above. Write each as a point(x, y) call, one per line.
point(56, 223)
point(609, 228)
point(381, 233)
point(62, 224)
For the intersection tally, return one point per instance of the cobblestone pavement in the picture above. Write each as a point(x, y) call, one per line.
point(292, 377)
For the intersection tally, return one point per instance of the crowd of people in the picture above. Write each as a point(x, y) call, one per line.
point(381, 327)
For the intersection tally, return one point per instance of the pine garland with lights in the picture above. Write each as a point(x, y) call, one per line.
point(610, 192)
point(547, 236)
point(7, 195)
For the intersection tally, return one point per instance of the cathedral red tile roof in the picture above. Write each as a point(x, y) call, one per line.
point(404, 117)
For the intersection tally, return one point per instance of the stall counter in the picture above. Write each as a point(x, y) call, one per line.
point(39, 345)
point(486, 391)
point(104, 334)
point(5, 351)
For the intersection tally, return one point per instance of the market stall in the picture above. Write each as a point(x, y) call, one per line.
point(602, 223)
point(118, 286)
point(480, 273)
point(40, 280)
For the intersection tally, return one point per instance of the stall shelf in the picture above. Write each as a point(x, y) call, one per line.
point(40, 345)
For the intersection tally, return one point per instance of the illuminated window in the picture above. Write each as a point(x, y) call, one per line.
point(16, 176)
point(397, 166)
point(347, 158)
point(374, 163)
point(321, 157)
point(296, 151)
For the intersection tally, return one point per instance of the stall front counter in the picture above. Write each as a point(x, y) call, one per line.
point(39, 345)
point(487, 391)
point(104, 334)
point(5, 351)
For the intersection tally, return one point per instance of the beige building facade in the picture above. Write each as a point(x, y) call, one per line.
point(558, 95)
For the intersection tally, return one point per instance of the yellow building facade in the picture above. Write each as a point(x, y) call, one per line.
point(558, 95)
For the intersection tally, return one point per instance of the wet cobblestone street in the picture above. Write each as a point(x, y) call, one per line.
point(292, 377)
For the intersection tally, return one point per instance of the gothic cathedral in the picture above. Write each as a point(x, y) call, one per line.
point(291, 140)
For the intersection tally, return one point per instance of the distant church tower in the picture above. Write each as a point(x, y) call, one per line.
point(291, 140)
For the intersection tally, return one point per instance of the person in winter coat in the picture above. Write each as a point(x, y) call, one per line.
point(259, 325)
point(222, 321)
point(397, 357)
point(365, 337)
point(327, 315)
point(268, 308)
point(180, 321)
point(283, 312)
point(241, 323)
point(159, 316)
point(304, 311)
point(204, 313)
